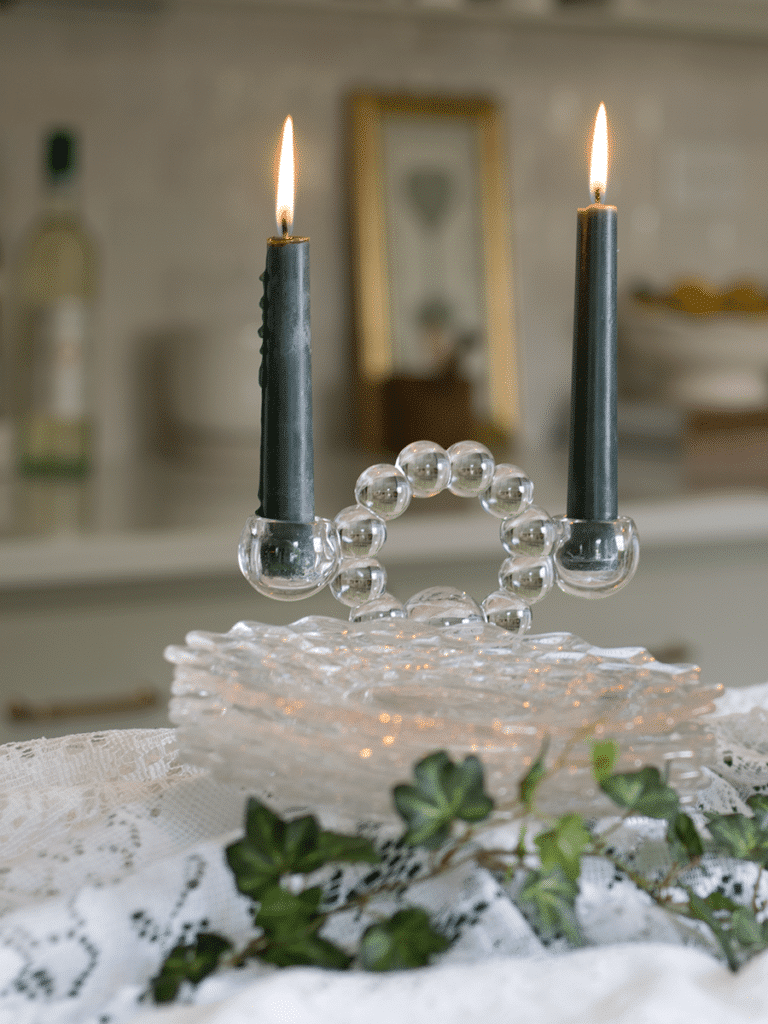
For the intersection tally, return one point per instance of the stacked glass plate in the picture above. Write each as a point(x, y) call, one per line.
point(325, 713)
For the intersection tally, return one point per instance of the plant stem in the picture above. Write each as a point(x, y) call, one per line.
point(756, 889)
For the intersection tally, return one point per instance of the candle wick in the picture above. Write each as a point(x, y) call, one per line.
point(597, 193)
point(284, 226)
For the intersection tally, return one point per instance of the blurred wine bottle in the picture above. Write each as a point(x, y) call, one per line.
point(57, 285)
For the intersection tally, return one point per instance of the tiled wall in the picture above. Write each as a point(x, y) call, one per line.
point(180, 112)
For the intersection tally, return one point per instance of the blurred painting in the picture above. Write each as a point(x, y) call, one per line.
point(434, 325)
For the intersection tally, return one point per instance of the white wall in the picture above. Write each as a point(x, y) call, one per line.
point(180, 113)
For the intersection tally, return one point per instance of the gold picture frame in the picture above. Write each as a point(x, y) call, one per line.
point(435, 345)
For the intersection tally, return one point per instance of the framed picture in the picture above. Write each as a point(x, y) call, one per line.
point(434, 327)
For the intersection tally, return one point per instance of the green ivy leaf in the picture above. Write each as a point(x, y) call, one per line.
point(563, 845)
point(263, 827)
point(739, 836)
point(549, 899)
point(605, 754)
point(333, 846)
point(644, 792)
point(750, 934)
point(444, 791)
point(719, 903)
point(291, 922)
point(308, 951)
point(533, 777)
point(758, 803)
point(283, 913)
point(686, 835)
point(731, 921)
point(188, 962)
point(258, 859)
point(407, 939)
point(706, 910)
point(272, 847)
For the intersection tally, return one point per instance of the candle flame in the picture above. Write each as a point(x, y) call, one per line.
point(284, 202)
point(598, 168)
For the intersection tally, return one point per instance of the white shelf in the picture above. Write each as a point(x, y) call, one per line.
point(735, 20)
point(154, 524)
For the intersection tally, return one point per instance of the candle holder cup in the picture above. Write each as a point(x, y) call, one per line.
point(595, 558)
point(288, 561)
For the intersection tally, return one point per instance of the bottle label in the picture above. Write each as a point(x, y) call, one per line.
point(60, 333)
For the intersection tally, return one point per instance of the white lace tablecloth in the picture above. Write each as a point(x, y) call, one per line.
point(111, 851)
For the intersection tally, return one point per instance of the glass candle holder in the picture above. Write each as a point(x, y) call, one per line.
point(586, 558)
point(288, 561)
point(595, 558)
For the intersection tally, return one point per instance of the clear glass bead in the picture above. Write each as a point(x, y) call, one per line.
point(443, 606)
point(508, 612)
point(427, 467)
point(509, 492)
point(531, 533)
point(595, 558)
point(528, 578)
point(471, 468)
point(384, 607)
point(361, 533)
point(359, 580)
point(288, 561)
point(384, 490)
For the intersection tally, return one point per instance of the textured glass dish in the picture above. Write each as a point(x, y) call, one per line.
point(331, 713)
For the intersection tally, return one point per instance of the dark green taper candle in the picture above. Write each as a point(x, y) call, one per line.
point(286, 479)
point(593, 473)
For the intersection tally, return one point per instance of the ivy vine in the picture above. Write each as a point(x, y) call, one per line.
point(442, 810)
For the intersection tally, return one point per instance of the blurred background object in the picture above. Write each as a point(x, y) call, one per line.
point(435, 343)
point(178, 135)
point(705, 348)
point(7, 461)
point(54, 325)
point(704, 351)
